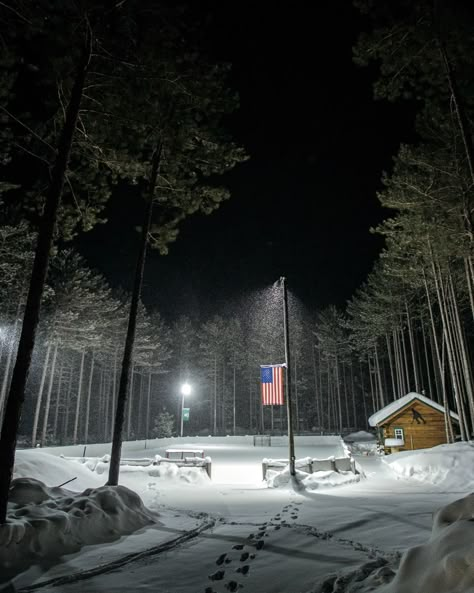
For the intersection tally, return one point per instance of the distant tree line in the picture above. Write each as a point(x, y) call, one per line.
point(345, 365)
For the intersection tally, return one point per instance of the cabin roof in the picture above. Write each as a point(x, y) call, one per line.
point(400, 403)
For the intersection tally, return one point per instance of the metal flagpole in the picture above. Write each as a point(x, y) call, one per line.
point(291, 440)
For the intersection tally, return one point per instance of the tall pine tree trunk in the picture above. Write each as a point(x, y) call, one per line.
point(6, 375)
point(354, 409)
point(78, 398)
point(466, 368)
point(114, 469)
point(48, 396)
point(140, 407)
point(346, 399)
point(440, 359)
point(412, 348)
point(379, 377)
point(469, 285)
point(390, 365)
point(338, 388)
point(16, 396)
point(57, 402)
point(148, 401)
point(114, 395)
point(405, 360)
point(427, 362)
point(130, 401)
point(40, 397)
point(316, 390)
point(67, 406)
point(447, 338)
point(88, 399)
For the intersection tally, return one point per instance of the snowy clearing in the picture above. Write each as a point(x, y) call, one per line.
point(233, 532)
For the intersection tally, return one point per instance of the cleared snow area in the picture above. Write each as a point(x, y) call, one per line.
point(325, 534)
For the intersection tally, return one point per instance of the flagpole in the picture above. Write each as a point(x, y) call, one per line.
point(291, 440)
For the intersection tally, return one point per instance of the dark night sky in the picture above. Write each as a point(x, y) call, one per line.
point(303, 204)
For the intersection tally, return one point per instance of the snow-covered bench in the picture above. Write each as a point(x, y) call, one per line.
point(311, 465)
point(185, 458)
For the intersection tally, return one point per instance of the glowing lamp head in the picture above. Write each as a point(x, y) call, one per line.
point(186, 389)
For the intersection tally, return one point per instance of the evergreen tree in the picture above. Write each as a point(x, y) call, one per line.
point(178, 139)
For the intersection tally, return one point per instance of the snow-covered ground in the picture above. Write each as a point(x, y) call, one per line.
point(233, 532)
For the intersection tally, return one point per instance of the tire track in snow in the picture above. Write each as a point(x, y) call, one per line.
point(208, 523)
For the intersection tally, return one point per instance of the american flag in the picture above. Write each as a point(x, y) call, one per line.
point(272, 384)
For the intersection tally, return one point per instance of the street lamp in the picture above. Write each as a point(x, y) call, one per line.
point(185, 390)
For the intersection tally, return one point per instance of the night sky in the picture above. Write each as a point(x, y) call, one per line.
point(302, 206)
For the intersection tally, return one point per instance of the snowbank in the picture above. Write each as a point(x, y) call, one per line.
point(447, 465)
point(445, 564)
point(169, 472)
point(314, 481)
point(54, 471)
point(45, 523)
point(329, 479)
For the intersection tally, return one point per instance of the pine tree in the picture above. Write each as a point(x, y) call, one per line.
point(178, 140)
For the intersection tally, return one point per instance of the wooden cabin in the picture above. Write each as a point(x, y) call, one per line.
point(412, 422)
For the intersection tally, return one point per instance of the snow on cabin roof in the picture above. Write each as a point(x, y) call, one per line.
point(398, 404)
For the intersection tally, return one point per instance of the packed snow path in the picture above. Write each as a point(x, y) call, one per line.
point(269, 540)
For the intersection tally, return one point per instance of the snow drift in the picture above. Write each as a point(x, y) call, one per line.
point(445, 564)
point(53, 470)
point(45, 523)
point(168, 472)
point(442, 465)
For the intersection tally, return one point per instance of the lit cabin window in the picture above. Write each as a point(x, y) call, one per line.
point(399, 433)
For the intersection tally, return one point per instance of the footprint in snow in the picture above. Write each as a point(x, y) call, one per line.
point(238, 547)
point(232, 586)
point(260, 544)
point(217, 576)
point(244, 556)
point(221, 559)
point(243, 569)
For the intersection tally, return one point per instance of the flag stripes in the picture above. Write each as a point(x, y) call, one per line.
point(272, 385)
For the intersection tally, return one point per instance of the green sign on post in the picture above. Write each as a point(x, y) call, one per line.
point(185, 414)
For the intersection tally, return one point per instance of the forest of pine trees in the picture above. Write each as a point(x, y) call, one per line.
point(86, 108)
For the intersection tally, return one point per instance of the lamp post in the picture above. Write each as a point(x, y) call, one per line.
point(185, 390)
